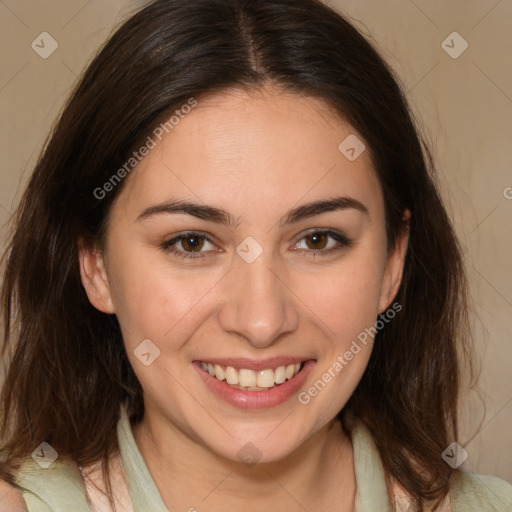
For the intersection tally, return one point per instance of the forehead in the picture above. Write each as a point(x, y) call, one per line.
point(250, 150)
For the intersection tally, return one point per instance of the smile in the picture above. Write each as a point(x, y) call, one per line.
point(249, 384)
point(251, 380)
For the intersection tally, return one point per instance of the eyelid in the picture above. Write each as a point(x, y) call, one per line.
point(167, 246)
point(184, 234)
point(342, 240)
point(325, 231)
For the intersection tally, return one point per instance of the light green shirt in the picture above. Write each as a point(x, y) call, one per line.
point(60, 487)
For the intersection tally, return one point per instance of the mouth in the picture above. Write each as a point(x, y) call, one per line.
point(245, 379)
point(250, 384)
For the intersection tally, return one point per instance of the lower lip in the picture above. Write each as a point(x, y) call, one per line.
point(255, 399)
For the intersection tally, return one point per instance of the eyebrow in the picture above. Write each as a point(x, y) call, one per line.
point(219, 216)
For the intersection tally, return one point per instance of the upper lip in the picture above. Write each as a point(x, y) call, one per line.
point(254, 364)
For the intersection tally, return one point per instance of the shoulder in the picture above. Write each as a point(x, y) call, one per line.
point(473, 492)
point(11, 499)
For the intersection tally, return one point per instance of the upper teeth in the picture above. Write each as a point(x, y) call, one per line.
point(249, 378)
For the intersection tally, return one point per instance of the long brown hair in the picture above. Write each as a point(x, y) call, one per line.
point(68, 370)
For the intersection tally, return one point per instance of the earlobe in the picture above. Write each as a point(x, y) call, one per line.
point(395, 266)
point(94, 278)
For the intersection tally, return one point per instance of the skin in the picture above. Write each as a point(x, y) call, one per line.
point(256, 155)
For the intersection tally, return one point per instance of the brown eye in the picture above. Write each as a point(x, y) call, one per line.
point(188, 245)
point(319, 243)
point(318, 240)
point(192, 243)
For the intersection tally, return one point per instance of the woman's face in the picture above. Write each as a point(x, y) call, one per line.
point(256, 290)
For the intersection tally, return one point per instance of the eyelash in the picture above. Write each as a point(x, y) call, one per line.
point(342, 240)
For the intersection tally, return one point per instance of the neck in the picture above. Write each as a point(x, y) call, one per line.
point(317, 475)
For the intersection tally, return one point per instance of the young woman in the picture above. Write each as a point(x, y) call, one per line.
point(232, 284)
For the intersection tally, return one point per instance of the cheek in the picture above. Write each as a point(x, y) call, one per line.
point(155, 301)
point(345, 297)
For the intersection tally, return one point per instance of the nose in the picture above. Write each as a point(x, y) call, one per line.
point(259, 306)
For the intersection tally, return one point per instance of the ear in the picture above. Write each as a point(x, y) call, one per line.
point(395, 265)
point(94, 277)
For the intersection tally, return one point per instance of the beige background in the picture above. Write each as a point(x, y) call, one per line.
point(464, 106)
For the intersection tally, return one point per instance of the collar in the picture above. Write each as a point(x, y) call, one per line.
point(371, 490)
